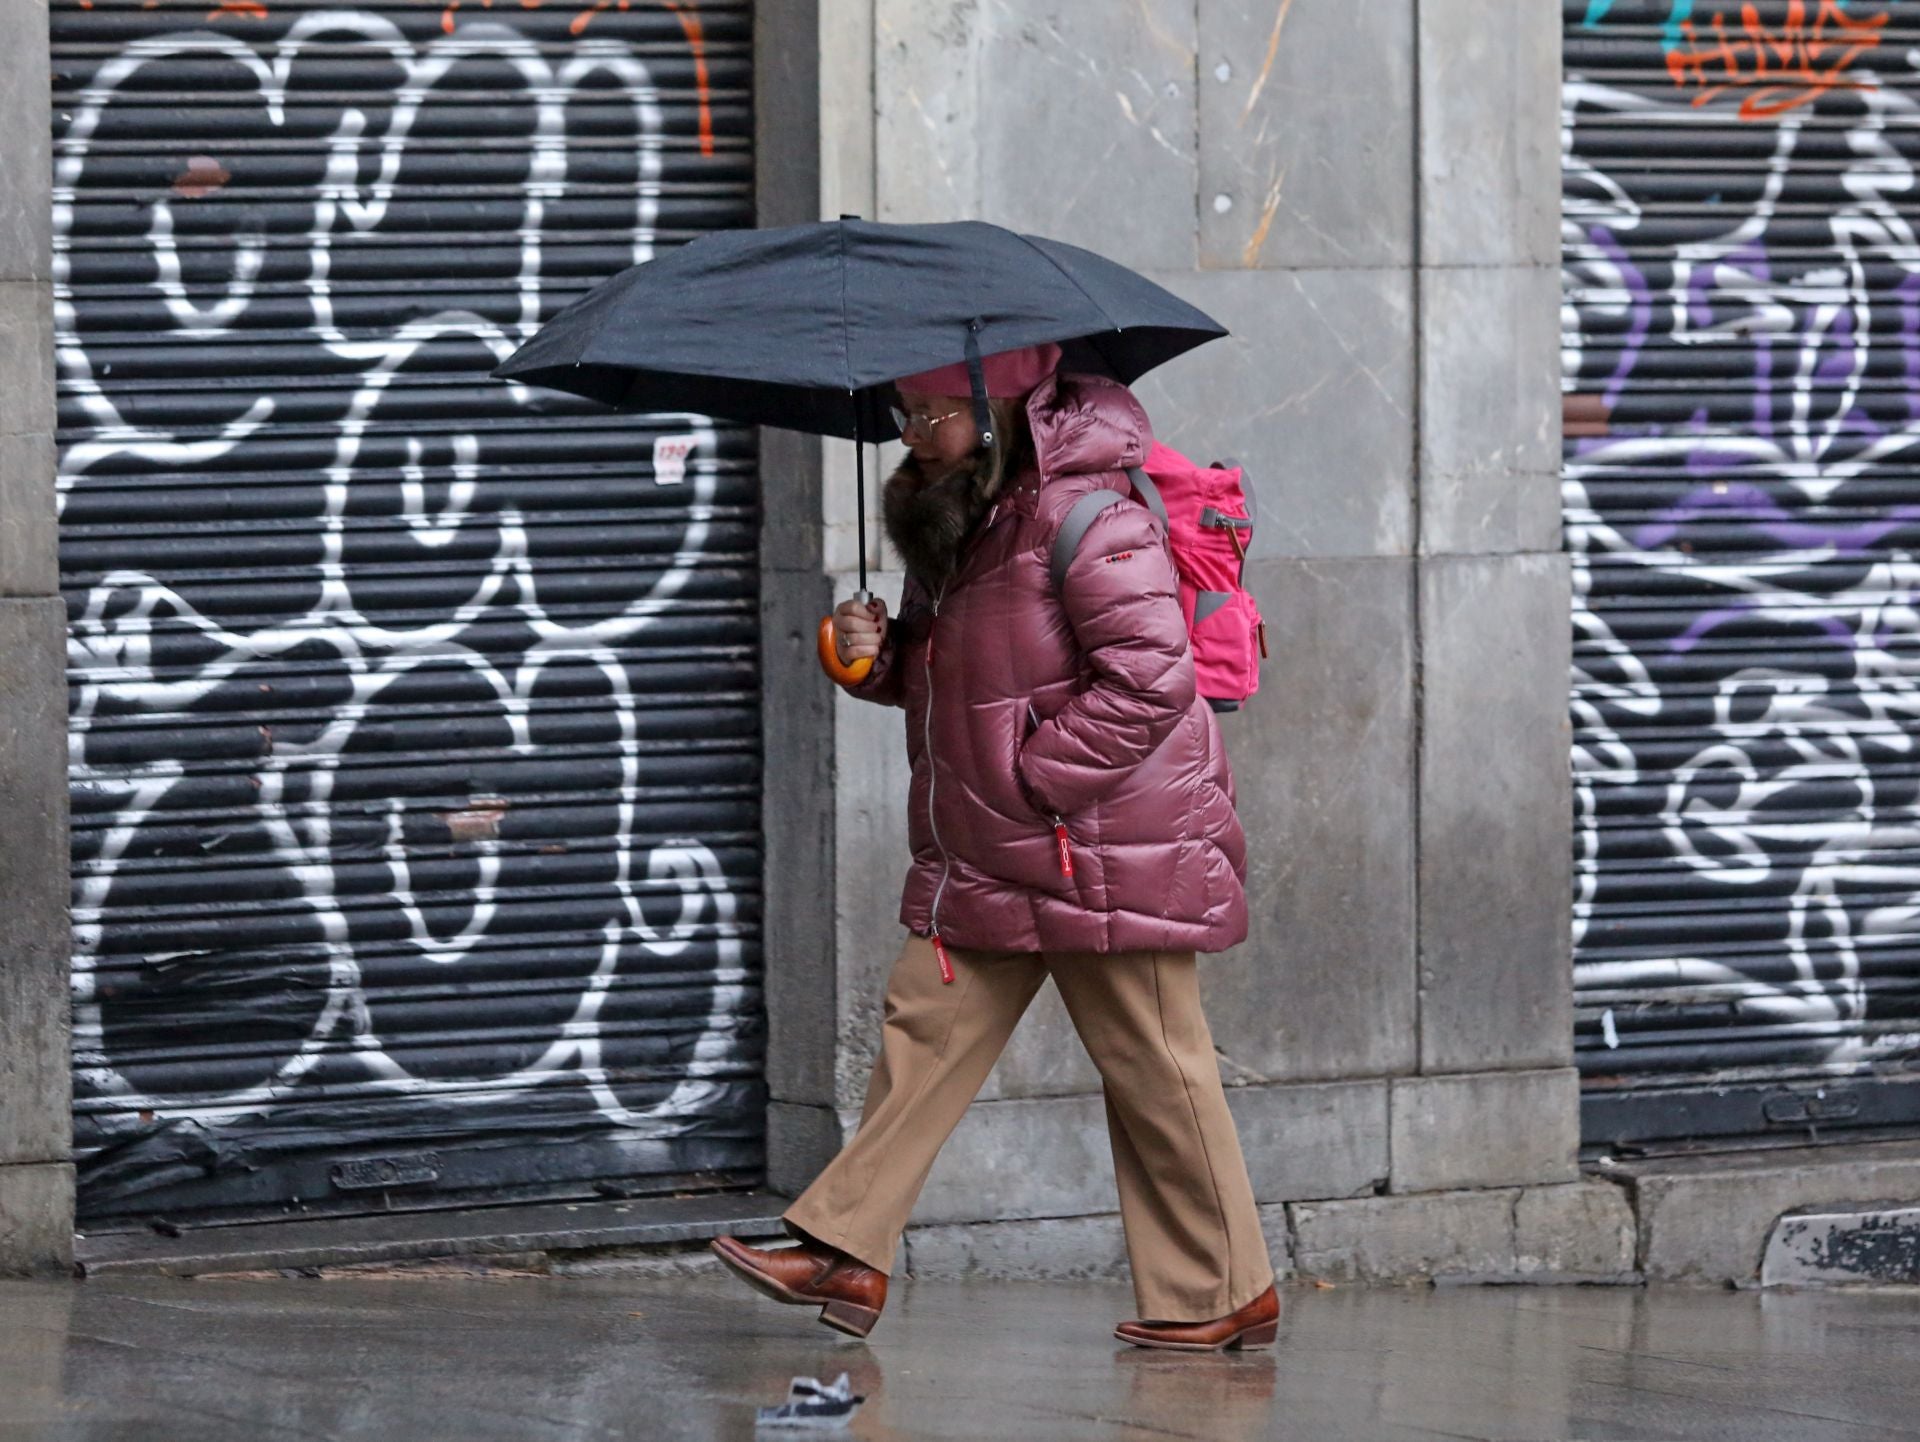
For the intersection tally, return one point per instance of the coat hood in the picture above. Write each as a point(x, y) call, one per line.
point(1083, 424)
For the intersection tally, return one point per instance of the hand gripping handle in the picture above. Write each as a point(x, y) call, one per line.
point(842, 673)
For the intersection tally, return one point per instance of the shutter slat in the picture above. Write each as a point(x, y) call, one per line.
point(1741, 487)
point(415, 721)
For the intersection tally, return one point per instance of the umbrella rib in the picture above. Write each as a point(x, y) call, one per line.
point(599, 324)
point(1067, 275)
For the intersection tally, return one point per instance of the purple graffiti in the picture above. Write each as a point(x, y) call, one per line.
point(1774, 521)
point(1741, 481)
point(1710, 621)
point(1637, 287)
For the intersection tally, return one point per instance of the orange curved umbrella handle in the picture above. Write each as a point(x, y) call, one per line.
point(840, 672)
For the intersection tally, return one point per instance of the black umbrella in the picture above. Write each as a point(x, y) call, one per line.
point(806, 326)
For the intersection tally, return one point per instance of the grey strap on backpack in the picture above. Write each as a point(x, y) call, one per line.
point(1079, 520)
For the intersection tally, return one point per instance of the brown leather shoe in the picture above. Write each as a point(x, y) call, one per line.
point(1254, 1325)
point(850, 1292)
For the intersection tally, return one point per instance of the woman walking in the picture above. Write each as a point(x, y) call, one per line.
point(1071, 816)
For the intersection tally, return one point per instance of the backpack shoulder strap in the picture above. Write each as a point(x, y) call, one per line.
point(1073, 530)
point(1150, 493)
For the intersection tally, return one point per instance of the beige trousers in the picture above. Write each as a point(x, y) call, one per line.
point(1193, 1236)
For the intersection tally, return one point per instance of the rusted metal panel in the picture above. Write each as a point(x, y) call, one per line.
point(1742, 500)
point(415, 747)
point(1835, 1246)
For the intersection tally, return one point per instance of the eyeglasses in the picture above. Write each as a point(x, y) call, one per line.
point(907, 422)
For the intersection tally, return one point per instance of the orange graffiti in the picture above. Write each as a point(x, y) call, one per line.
point(687, 12)
point(245, 9)
point(689, 17)
point(1781, 68)
point(446, 15)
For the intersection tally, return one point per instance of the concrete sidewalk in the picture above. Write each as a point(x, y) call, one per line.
point(662, 1356)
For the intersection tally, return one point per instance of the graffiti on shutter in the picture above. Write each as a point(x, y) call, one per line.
point(414, 727)
point(1741, 346)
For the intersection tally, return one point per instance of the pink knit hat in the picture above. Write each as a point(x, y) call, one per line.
point(1008, 374)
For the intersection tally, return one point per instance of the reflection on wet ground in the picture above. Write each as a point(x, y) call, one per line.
point(537, 1358)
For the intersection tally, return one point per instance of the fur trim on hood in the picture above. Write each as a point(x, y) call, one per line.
point(929, 517)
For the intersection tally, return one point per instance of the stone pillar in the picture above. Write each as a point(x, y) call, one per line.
point(1366, 195)
point(1161, 136)
point(836, 775)
point(1496, 1099)
point(36, 1124)
point(1307, 244)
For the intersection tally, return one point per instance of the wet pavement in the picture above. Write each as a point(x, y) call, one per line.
point(691, 1357)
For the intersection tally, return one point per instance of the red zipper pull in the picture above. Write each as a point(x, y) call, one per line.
point(946, 966)
point(1066, 849)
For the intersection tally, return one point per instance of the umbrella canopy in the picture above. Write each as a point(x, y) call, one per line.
point(806, 326)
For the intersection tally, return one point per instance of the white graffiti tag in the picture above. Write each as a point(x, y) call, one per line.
point(409, 590)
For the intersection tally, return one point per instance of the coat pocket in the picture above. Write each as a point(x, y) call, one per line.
point(1062, 838)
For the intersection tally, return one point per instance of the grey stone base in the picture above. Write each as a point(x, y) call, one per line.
point(801, 1140)
point(1579, 1231)
point(1047, 1156)
point(1316, 1139)
point(1051, 1248)
point(1707, 1219)
point(1701, 1219)
point(36, 1219)
point(1038, 1157)
point(1485, 1129)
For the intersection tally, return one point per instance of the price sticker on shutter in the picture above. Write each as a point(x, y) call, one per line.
point(670, 458)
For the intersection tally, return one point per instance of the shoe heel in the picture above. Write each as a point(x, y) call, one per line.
point(1260, 1336)
point(854, 1320)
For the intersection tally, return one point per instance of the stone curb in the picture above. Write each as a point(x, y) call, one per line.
point(1700, 1219)
point(503, 1236)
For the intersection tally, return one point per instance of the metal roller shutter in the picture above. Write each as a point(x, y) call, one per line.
point(1741, 329)
point(415, 739)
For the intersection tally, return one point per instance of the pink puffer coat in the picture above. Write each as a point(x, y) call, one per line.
point(1051, 731)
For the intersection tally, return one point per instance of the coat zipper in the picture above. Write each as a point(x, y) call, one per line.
point(933, 781)
point(1059, 824)
point(933, 824)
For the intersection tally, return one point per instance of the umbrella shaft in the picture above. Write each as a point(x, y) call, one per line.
point(860, 493)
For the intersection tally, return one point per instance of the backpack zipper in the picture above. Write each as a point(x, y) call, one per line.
point(933, 824)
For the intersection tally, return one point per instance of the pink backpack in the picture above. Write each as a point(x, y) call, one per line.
point(1208, 512)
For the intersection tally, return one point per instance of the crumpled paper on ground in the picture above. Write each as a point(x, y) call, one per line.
point(814, 1405)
